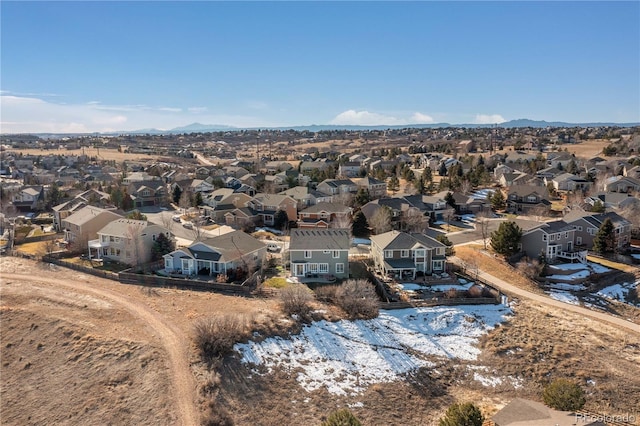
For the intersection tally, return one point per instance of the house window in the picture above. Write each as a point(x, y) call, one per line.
point(566, 234)
point(105, 239)
point(168, 263)
point(437, 265)
point(146, 193)
point(579, 228)
point(323, 268)
point(336, 254)
point(388, 254)
point(419, 253)
point(440, 251)
point(307, 254)
point(404, 253)
point(552, 237)
point(339, 268)
point(544, 237)
point(313, 267)
point(532, 198)
point(117, 239)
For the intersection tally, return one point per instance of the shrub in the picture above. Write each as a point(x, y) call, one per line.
point(563, 394)
point(358, 299)
point(276, 282)
point(476, 291)
point(217, 416)
point(326, 293)
point(342, 417)
point(466, 414)
point(530, 268)
point(215, 336)
point(451, 293)
point(296, 299)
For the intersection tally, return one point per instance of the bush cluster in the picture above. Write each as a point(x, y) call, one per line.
point(358, 299)
point(215, 336)
point(296, 300)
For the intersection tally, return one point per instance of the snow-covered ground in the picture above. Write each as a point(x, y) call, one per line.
point(462, 285)
point(347, 356)
point(580, 271)
point(565, 297)
point(618, 292)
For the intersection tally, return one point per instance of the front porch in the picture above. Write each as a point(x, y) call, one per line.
point(97, 249)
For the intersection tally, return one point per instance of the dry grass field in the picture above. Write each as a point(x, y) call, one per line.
point(102, 154)
point(113, 350)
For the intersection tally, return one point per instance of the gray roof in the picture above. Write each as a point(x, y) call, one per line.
point(395, 240)
point(327, 207)
point(319, 239)
point(122, 227)
point(86, 214)
point(234, 245)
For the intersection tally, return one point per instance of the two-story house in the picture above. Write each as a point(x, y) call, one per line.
point(319, 251)
point(83, 225)
point(522, 199)
point(349, 169)
point(568, 182)
point(91, 197)
point(224, 254)
point(337, 187)
point(322, 215)
point(621, 184)
point(126, 241)
point(586, 226)
point(555, 239)
point(266, 206)
point(405, 254)
point(148, 193)
point(29, 198)
point(376, 188)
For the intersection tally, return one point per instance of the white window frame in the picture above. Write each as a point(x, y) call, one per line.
point(404, 253)
point(307, 254)
point(313, 268)
point(419, 253)
point(552, 237)
point(323, 268)
point(339, 268)
point(335, 254)
point(388, 254)
point(437, 262)
point(544, 237)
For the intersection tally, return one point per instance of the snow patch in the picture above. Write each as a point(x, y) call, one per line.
point(565, 297)
point(347, 356)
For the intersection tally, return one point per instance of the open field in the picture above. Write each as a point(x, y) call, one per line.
point(120, 351)
point(102, 154)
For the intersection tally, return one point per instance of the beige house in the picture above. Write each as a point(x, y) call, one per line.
point(127, 241)
point(83, 225)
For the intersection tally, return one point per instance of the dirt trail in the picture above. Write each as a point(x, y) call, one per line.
point(548, 301)
point(183, 382)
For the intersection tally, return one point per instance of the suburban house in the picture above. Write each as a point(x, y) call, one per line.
point(377, 188)
point(568, 182)
point(337, 187)
point(148, 193)
point(553, 239)
point(266, 206)
point(514, 178)
point(525, 198)
point(29, 198)
point(304, 195)
point(84, 224)
point(349, 169)
point(126, 241)
point(319, 251)
point(586, 226)
point(466, 204)
point(322, 215)
point(621, 184)
point(610, 200)
point(405, 254)
point(91, 197)
point(225, 254)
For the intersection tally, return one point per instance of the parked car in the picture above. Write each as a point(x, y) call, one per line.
point(176, 218)
point(188, 225)
point(273, 247)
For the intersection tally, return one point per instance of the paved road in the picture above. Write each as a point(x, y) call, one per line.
point(545, 300)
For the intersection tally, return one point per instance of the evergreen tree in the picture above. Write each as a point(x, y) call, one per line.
point(449, 251)
point(360, 226)
point(136, 215)
point(197, 200)
point(604, 241)
point(362, 197)
point(451, 202)
point(442, 171)
point(466, 414)
point(176, 194)
point(342, 417)
point(161, 246)
point(497, 200)
point(393, 185)
point(598, 207)
point(562, 394)
point(127, 202)
point(280, 219)
point(506, 238)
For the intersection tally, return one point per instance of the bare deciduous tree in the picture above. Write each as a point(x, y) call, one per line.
point(449, 214)
point(133, 242)
point(415, 220)
point(166, 220)
point(482, 223)
point(380, 221)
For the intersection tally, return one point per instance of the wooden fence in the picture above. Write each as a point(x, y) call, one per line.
point(182, 283)
point(440, 301)
point(91, 271)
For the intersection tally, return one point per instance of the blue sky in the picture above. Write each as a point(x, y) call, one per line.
point(103, 66)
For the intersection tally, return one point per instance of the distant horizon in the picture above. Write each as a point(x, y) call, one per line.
point(211, 128)
point(104, 67)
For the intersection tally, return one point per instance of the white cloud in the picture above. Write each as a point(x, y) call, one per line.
point(420, 118)
point(489, 119)
point(34, 115)
point(365, 118)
